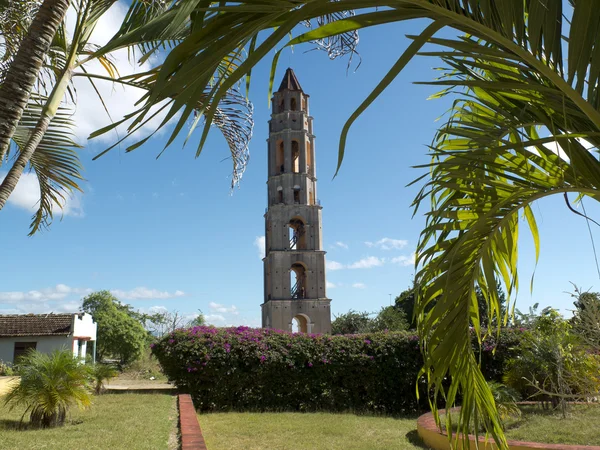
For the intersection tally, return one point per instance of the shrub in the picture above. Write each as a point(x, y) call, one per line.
point(552, 364)
point(6, 369)
point(258, 369)
point(49, 385)
point(101, 373)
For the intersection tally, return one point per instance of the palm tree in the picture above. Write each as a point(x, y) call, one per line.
point(100, 374)
point(524, 117)
point(50, 385)
point(22, 73)
point(43, 135)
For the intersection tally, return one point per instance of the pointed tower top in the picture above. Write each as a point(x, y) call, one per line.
point(289, 82)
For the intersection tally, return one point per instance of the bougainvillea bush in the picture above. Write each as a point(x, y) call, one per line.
point(258, 369)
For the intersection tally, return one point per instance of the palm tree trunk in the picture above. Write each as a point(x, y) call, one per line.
point(25, 68)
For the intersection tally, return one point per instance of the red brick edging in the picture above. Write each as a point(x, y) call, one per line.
point(438, 440)
point(191, 435)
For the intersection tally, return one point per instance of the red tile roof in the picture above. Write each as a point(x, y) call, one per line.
point(36, 325)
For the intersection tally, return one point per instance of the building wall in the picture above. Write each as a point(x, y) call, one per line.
point(45, 344)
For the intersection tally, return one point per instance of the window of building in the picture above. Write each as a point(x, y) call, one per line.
point(21, 348)
point(279, 159)
point(293, 105)
point(295, 157)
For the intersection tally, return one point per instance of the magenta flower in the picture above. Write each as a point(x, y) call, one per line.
point(171, 341)
point(262, 358)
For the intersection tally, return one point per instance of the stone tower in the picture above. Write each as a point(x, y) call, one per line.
point(295, 261)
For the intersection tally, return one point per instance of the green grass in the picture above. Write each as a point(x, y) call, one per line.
point(549, 427)
point(114, 421)
point(314, 431)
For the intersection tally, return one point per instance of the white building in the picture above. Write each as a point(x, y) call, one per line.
point(46, 333)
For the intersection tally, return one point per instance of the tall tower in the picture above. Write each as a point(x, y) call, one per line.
point(295, 260)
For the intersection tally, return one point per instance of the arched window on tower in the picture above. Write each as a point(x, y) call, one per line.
point(281, 106)
point(279, 160)
point(297, 234)
point(296, 194)
point(300, 324)
point(303, 103)
point(308, 157)
point(298, 281)
point(293, 105)
point(295, 157)
point(280, 194)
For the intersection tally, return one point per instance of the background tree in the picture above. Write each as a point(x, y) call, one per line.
point(352, 322)
point(198, 321)
point(50, 384)
point(405, 302)
point(554, 364)
point(586, 317)
point(120, 332)
point(391, 319)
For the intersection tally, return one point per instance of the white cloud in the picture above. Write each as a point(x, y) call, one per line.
point(359, 285)
point(367, 263)
point(215, 319)
point(333, 265)
point(119, 100)
point(388, 244)
point(58, 292)
point(259, 243)
point(404, 260)
point(27, 196)
point(217, 307)
point(144, 293)
point(330, 285)
point(341, 244)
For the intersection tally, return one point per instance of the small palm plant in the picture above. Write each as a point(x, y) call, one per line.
point(506, 400)
point(100, 374)
point(50, 384)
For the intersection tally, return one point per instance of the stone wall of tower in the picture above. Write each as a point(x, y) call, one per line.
point(293, 260)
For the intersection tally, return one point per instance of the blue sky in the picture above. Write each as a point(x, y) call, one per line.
point(167, 233)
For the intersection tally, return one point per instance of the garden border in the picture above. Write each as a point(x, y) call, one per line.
point(438, 440)
point(191, 434)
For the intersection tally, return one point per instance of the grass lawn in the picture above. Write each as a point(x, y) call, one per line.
point(114, 421)
point(580, 426)
point(314, 431)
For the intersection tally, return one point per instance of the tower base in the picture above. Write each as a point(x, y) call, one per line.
point(313, 315)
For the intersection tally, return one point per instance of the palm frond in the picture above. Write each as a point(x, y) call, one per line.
point(55, 162)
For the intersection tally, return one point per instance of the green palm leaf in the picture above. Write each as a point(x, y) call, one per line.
point(55, 162)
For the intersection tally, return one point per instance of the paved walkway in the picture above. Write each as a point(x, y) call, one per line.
point(117, 385)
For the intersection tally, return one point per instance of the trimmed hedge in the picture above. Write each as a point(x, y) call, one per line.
point(258, 369)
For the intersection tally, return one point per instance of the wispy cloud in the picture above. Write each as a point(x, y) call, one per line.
point(58, 292)
point(388, 244)
point(359, 285)
point(144, 293)
point(364, 263)
point(333, 265)
point(341, 244)
point(367, 263)
point(217, 307)
point(404, 260)
point(259, 243)
point(330, 285)
point(215, 319)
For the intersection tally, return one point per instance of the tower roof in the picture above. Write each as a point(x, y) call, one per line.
point(289, 82)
